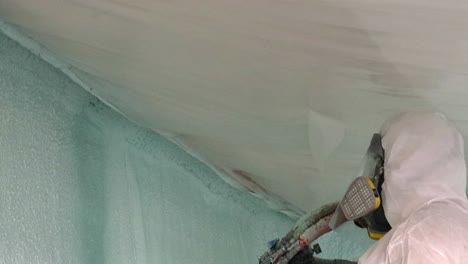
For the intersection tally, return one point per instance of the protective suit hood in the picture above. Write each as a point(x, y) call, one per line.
point(424, 161)
point(423, 194)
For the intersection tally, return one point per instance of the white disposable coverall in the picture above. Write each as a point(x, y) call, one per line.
point(423, 193)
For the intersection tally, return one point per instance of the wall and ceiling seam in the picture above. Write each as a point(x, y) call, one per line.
point(273, 201)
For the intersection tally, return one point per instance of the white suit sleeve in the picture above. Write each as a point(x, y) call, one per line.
point(433, 235)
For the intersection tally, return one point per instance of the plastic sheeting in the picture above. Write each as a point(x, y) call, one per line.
point(283, 96)
point(81, 184)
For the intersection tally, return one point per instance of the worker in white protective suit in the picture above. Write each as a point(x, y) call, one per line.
point(423, 194)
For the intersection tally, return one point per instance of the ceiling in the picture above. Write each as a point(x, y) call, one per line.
point(280, 95)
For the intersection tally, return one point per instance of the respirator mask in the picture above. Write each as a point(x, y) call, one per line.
point(362, 201)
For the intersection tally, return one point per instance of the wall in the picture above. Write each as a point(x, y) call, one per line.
point(81, 184)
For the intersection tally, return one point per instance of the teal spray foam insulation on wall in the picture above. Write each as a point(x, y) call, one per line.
point(79, 183)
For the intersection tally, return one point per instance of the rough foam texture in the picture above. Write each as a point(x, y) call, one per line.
point(79, 183)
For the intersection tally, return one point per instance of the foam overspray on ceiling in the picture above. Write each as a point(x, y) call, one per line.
point(254, 86)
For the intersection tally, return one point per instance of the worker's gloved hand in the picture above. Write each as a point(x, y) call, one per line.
point(306, 256)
